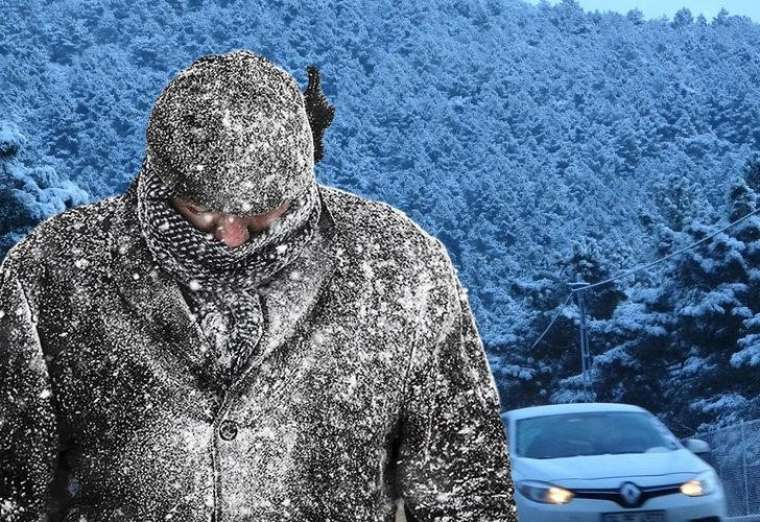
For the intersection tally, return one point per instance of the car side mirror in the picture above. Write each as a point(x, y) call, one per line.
point(698, 447)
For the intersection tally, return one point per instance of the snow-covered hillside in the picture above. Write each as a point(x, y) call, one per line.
point(540, 144)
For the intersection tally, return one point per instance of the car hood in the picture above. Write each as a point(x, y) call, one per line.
point(611, 470)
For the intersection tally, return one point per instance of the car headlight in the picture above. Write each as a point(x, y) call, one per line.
point(544, 492)
point(703, 484)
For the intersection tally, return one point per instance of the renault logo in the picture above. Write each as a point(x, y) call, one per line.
point(631, 494)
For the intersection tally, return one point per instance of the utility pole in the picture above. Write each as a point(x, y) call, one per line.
point(586, 361)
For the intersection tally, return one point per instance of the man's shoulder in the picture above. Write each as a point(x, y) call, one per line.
point(77, 234)
point(381, 243)
point(379, 233)
point(366, 220)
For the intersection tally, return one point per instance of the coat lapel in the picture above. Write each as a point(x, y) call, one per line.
point(156, 298)
point(150, 293)
point(291, 296)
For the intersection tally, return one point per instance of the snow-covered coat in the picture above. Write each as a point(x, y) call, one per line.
point(371, 383)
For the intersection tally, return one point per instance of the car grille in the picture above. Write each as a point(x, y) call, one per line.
point(615, 496)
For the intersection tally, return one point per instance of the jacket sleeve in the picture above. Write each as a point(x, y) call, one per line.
point(452, 461)
point(28, 432)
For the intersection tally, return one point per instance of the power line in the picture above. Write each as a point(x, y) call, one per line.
point(673, 254)
point(551, 323)
point(637, 269)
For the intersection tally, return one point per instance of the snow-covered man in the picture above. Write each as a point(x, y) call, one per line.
point(229, 340)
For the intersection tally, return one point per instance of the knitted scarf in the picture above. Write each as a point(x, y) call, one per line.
point(220, 282)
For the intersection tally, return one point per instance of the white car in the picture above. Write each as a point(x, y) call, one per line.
point(607, 463)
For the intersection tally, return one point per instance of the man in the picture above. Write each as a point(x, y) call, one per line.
point(231, 341)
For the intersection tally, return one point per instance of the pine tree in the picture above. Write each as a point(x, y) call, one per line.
point(552, 368)
point(687, 347)
point(532, 372)
point(637, 350)
point(715, 306)
point(746, 359)
point(682, 18)
point(28, 194)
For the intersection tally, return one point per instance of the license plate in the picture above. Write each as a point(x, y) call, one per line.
point(635, 516)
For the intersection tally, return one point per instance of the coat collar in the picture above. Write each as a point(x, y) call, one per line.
point(155, 297)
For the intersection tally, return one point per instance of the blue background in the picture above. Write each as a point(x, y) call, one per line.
point(542, 144)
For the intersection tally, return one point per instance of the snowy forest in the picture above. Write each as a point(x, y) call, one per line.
point(542, 145)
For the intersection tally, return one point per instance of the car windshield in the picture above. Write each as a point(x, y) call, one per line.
point(597, 433)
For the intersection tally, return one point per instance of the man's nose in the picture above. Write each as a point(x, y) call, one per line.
point(233, 230)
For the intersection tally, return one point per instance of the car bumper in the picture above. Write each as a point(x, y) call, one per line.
point(678, 508)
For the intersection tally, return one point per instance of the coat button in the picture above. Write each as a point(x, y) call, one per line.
point(228, 430)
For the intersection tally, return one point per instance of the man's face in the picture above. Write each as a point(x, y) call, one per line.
point(233, 229)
